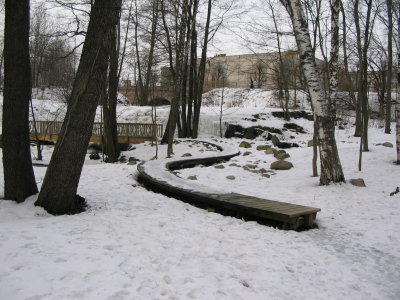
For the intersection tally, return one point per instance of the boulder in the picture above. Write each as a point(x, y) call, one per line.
point(266, 175)
point(282, 156)
point(270, 151)
point(387, 144)
point(186, 155)
point(94, 156)
point(263, 147)
point(192, 177)
point(358, 182)
point(249, 166)
point(275, 140)
point(281, 165)
point(219, 167)
point(234, 131)
point(234, 165)
point(122, 159)
point(246, 153)
point(250, 133)
point(245, 144)
point(294, 127)
point(230, 177)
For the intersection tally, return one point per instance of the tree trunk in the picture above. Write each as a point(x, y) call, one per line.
point(388, 114)
point(398, 100)
point(202, 71)
point(334, 57)
point(365, 104)
point(331, 169)
point(110, 105)
point(345, 60)
point(150, 61)
point(58, 193)
point(19, 179)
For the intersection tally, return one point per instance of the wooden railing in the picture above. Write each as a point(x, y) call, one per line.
point(141, 130)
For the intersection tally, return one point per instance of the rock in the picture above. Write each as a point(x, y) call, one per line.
point(275, 140)
point(282, 156)
point(94, 156)
point(234, 131)
point(387, 144)
point(230, 177)
point(250, 133)
point(297, 114)
point(122, 159)
point(295, 127)
point(262, 171)
point(270, 151)
point(263, 147)
point(246, 153)
point(219, 167)
point(186, 155)
point(245, 144)
point(284, 145)
point(234, 165)
point(132, 163)
point(266, 175)
point(281, 165)
point(358, 182)
point(192, 177)
point(250, 166)
point(131, 159)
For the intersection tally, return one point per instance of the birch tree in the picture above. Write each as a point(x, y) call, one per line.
point(331, 169)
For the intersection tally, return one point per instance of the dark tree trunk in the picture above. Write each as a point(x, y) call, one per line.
point(345, 60)
point(58, 193)
point(110, 106)
point(388, 114)
point(19, 179)
point(398, 100)
point(202, 71)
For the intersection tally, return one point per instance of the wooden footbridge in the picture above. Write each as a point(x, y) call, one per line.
point(159, 176)
point(131, 133)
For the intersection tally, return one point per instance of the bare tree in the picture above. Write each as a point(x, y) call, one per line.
point(58, 193)
point(398, 100)
point(19, 179)
point(388, 119)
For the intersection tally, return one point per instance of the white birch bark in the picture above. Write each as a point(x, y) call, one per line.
point(331, 169)
point(334, 57)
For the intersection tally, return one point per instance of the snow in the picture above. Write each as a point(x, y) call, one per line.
point(135, 244)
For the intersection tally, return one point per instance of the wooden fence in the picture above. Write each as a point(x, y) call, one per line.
point(127, 132)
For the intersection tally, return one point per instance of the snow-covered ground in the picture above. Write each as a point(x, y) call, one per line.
point(135, 244)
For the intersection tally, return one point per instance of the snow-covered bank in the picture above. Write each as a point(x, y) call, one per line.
point(135, 244)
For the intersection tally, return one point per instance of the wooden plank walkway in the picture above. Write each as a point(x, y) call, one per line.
point(131, 133)
point(274, 213)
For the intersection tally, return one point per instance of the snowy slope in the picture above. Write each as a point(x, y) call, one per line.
point(135, 244)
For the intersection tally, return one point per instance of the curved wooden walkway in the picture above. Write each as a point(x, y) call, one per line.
point(158, 175)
